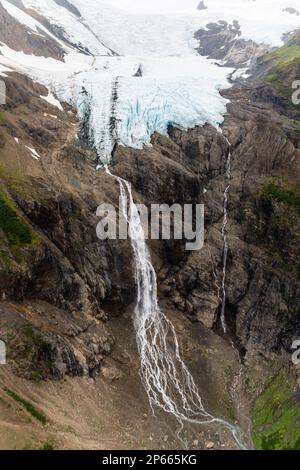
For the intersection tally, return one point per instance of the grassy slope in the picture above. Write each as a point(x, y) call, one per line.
point(30, 408)
point(16, 230)
point(276, 416)
point(287, 55)
point(285, 69)
point(283, 195)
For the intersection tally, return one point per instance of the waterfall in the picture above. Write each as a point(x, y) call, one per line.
point(225, 241)
point(167, 381)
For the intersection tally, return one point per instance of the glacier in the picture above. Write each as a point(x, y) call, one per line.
point(140, 72)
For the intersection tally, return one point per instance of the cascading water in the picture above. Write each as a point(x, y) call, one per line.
point(168, 383)
point(225, 241)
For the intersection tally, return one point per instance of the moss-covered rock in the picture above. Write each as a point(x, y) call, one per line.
point(279, 69)
point(276, 415)
point(288, 54)
point(16, 230)
point(283, 195)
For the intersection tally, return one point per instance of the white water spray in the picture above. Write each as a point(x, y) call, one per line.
point(167, 381)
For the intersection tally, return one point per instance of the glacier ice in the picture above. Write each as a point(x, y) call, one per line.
point(173, 86)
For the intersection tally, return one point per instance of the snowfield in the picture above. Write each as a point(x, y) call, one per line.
point(140, 72)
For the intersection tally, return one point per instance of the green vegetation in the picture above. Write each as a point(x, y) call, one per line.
point(15, 180)
point(285, 196)
point(37, 351)
point(283, 86)
point(231, 413)
point(17, 231)
point(276, 416)
point(297, 131)
point(28, 406)
point(35, 443)
point(35, 338)
point(286, 55)
point(49, 445)
point(286, 61)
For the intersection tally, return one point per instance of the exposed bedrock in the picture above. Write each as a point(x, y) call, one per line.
point(222, 41)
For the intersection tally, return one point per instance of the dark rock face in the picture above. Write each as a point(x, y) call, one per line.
point(69, 6)
point(222, 41)
point(201, 6)
point(139, 72)
point(50, 343)
point(292, 11)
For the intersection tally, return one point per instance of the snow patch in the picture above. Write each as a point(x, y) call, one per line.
point(50, 115)
point(53, 101)
point(241, 73)
point(33, 152)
